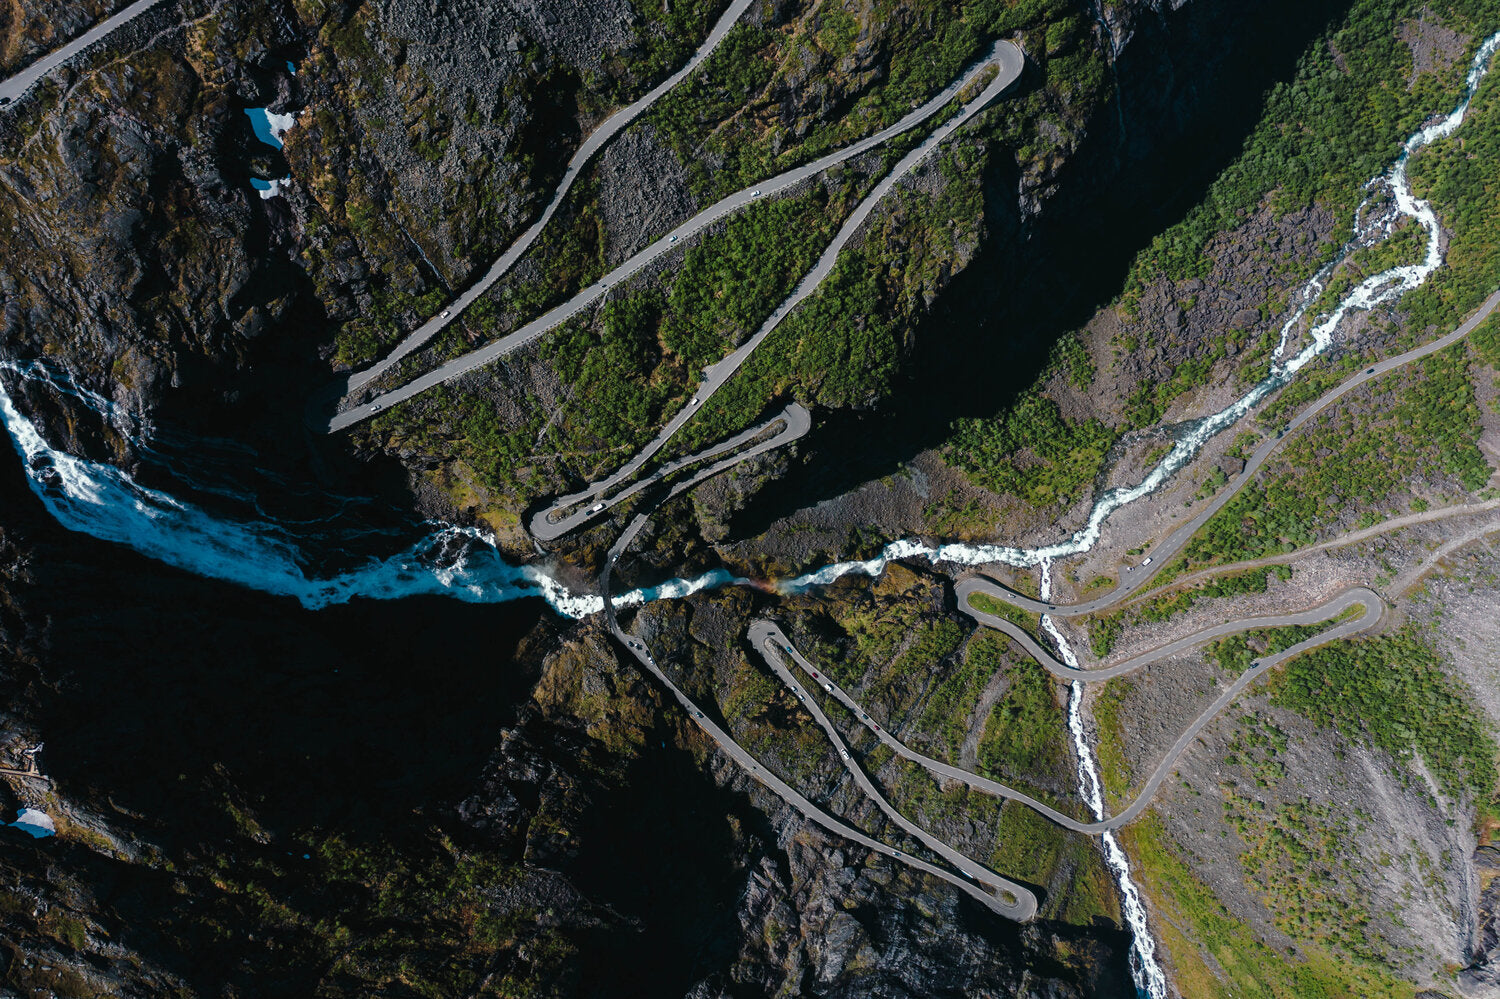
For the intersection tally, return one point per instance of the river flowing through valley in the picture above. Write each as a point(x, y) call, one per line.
point(278, 556)
point(1150, 980)
point(269, 555)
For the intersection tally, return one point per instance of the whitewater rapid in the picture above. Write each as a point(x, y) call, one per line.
point(1145, 970)
point(98, 499)
point(1374, 290)
point(465, 563)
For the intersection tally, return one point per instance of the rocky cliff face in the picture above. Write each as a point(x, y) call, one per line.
point(31, 30)
point(247, 801)
point(256, 799)
point(383, 800)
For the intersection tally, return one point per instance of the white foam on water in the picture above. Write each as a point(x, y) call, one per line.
point(465, 563)
point(1372, 291)
point(35, 823)
point(100, 500)
point(1145, 970)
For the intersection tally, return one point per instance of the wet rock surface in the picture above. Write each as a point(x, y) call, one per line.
point(490, 801)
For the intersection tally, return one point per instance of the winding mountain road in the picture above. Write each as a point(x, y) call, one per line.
point(1342, 541)
point(596, 141)
point(1061, 670)
point(1023, 906)
point(16, 87)
point(1161, 554)
point(760, 633)
point(1010, 900)
point(1009, 62)
point(795, 421)
point(771, 642)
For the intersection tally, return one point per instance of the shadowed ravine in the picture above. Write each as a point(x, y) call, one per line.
point(98, 499)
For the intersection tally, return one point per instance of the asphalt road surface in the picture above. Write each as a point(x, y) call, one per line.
point(14, 88)
point(773, 644)
point(1009, 61)
point(1005, 56)
point(762, 632)
point(595, 142)
point(1022, 909)
point(1013, 901)
point(1019, 904)
point(795, 421)
point(1163, 552)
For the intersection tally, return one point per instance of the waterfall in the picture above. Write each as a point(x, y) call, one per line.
point(100, 500)
point(1150, 981)
point(1374, 290)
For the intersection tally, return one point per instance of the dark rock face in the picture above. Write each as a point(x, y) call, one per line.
point(263, 801)
point(236, 737)
point(32, 29)
point(1482, 977)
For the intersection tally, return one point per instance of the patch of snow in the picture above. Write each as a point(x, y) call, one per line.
point(270, 128)
point(36, 823)
point(267, 188)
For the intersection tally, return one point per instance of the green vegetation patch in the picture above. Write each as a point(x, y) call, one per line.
point(931, 642)
point(918, 795)
point(1423, 423)
point(1392, 692)
point(952, 701)
point(1023, 736)
point(1078, 888)
point(986, 604)
point(1215, 955)
point(1297, 858)
point(1459, 176)
point(1031, 451)
point(613, 370)
point(1116, 776)
point(729, 283)
point(1486, 340)
point(1235, 653)
point(465, 427)
point(876, 631)
point(1352, 108)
